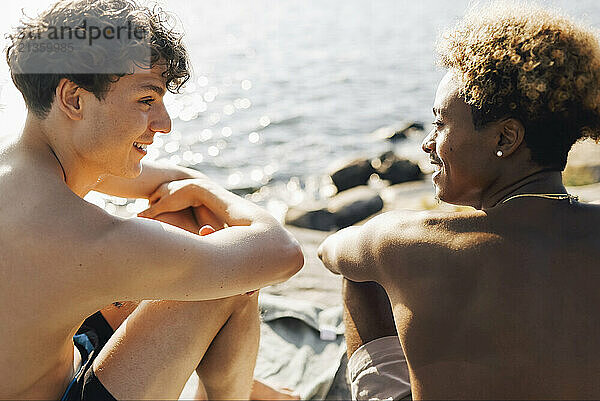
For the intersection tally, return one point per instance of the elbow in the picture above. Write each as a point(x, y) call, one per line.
point(294, 258)
point(289, 255)
point(326, 254)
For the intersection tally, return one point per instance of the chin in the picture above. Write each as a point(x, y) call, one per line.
point(446, 196)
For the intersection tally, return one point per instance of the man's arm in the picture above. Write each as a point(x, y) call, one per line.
point(362, 253)
point(153, 175)
point(130, 259)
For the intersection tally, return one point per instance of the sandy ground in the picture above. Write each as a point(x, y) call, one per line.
point(314, 282)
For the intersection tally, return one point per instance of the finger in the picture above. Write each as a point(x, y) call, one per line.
point(158, 193)
point(205, 216)
point(205, 230)
point(164, 205)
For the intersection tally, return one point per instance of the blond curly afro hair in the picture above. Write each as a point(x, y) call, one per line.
point(533, 64)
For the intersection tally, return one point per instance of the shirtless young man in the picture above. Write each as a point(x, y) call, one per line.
point(501, 302)
point(63, 259)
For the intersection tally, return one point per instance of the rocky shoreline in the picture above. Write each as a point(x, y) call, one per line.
point(364, 187)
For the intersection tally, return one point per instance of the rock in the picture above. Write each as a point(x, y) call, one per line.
point(398, 131)
point(352, 174)
point(342, 210)
point(354, 205)
point(316, 219)
point(241, 191)
point(583, 166)
point(244, 190)
point(396, 170)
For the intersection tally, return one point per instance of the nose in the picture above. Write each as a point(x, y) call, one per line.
point(428, 144)
point(161, 121)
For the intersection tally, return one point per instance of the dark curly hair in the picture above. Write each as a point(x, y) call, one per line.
point(163, 46)
point(531, 64)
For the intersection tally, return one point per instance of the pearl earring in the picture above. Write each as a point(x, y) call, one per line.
point(499, 153)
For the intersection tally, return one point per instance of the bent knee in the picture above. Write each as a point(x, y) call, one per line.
point(246, 300)
point(235, 303)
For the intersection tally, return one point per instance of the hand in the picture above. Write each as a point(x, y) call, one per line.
point(179, 195)
point(172, 197)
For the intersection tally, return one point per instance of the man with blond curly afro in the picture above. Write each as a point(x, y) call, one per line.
point(501, 302)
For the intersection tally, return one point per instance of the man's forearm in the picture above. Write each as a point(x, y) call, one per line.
point(152, 176)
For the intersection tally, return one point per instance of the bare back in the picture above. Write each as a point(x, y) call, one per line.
point(35, 293)
point(503, 302)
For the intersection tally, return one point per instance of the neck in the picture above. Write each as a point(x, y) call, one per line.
point(539, 182)
point(46, 140)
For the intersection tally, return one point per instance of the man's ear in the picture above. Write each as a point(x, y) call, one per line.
point(67, 97)
point(510, 136)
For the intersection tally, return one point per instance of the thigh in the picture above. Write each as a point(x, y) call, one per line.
point(154, 352)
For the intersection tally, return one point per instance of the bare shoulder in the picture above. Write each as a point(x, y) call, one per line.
point(417, 244)
point(403, 230)
point(47, 231)
point(36, 199)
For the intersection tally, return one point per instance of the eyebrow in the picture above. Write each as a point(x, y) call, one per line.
point(157, 89)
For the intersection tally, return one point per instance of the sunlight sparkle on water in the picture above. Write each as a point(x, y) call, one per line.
point(257, 175)
point(214, 118)
point(205, 135)
point(198, 158)
point(228, 109)
point(234, 179)
point(175, 135)
point(226, 132)
point(253, 137)
point(153, 154)
point(190, 87)
point(172, 147)
point(201, 107)
point(242, 103)
point(187, 114)
point(209, 97)
point(270, 169)
point(264, 121)
point(246, 84)
point(188, 156)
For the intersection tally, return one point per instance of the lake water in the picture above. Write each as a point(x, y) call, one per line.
point(282, 88)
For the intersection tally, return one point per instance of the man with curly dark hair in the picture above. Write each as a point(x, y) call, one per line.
point(93, 74)
point(501, 302)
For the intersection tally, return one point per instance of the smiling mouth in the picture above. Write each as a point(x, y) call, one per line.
point(437, 165)
point(435, 161)
point(142, 147)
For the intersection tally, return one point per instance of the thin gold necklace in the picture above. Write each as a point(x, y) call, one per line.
point(571, 198)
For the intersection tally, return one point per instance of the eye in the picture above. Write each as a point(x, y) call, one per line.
point(437, 124)
point(148, 101)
